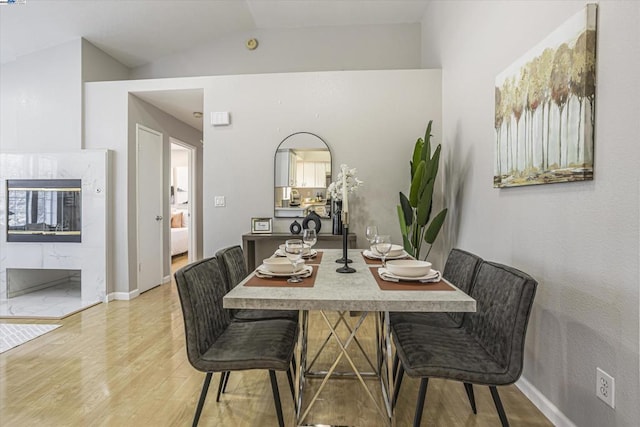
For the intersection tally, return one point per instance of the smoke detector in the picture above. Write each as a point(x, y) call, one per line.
point(252, 44)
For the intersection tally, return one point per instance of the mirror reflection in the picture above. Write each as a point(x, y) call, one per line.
point(302, 175)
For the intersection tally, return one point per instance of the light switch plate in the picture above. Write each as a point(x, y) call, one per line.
point(220, 202)
point(220, 118)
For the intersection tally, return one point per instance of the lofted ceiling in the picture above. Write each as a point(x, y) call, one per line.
point(136, 32)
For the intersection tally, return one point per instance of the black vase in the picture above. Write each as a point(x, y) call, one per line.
point(295, 227)
point(337, 217)
point(312, 221)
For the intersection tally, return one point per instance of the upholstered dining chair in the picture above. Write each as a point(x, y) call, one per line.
point(460, 269)
point(216, 343)
point(234, 271)
point(488, 349)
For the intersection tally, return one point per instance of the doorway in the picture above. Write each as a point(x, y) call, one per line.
point(182, 182)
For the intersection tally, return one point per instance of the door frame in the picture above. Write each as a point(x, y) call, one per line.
point(191, 194)
point(138, 192)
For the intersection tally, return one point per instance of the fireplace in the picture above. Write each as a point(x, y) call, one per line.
point(44, 210)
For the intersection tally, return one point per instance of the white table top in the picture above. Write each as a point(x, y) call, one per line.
point(340, 291)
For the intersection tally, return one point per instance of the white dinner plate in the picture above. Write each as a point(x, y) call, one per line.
point(312, 253)
point(307, 269)
point(367, 253)
point(423, 279)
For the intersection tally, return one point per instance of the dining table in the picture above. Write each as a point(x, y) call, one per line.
point(363, 293)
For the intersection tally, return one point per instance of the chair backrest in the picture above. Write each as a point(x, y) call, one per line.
point(201, 288)
point(504, 297)
point(232, 264)
point(460, 269)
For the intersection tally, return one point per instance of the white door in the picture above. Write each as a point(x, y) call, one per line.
point(149, 207)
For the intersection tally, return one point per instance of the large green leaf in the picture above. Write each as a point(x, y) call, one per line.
point(426, 150)
point(407, 211)
point(434, 227)
point(414, 191)
point(435, 162)
point(403, 224)
point(407, 246)
point(424, 207)
point(417, 154)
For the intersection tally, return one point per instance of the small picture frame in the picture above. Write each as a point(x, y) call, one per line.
point(261, 225)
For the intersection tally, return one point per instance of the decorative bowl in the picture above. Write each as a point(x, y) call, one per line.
point(409, 267)
point(396, 250)
point(305, 252)
point(280, 265)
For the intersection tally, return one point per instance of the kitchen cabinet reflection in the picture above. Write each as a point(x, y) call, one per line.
point(302, 174)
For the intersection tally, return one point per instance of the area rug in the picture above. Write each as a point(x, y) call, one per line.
point(15, 334)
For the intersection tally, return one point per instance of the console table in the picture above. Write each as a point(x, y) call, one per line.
point(257, 247)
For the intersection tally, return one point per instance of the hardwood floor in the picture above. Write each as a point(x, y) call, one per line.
point(124, 364)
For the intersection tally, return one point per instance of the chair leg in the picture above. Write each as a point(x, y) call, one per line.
point(472, 400)
point(203, 396)
point(422, 394)
point(291, 387)
point(276, 397)
point(227, 374)
point(499, 407)
point(398, 383)
point(223, 376)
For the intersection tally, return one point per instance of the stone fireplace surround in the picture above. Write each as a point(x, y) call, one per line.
point(88, 256)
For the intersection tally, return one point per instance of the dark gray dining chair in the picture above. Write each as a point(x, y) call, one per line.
point(460, 270)
point(235, 271)
point(216, 343)
point(488, 349)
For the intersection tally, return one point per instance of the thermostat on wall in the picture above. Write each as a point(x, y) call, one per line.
point(220, 118)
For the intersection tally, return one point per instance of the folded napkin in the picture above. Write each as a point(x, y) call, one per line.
point(304, 272)
point(432, 277)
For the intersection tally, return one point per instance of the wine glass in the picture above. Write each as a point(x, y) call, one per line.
point(310, 238)
point(371, 233)
point(293, 249)
point(383, 246)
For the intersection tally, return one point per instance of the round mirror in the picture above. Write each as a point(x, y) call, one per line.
point(302, 175)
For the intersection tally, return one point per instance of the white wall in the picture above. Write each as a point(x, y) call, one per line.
point(370, 120)
point(579, 240)
point(98, 66)
point(41, 100)
point(303, 49)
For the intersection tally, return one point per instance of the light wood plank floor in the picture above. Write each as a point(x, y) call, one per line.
point(124, 364)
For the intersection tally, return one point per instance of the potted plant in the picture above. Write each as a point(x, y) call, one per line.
point(414, 212)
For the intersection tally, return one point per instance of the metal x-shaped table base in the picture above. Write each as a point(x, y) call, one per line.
point(383, 355)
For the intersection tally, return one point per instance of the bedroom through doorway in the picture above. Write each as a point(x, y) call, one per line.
point(181, 197)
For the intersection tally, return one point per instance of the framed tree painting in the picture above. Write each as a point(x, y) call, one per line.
point(544, 108)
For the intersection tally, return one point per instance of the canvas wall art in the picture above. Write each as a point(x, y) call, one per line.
point(544, 108)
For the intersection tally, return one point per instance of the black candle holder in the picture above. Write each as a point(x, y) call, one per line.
point(345, 260)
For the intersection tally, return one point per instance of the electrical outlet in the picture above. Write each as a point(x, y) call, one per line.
point(220, 202)
point(605, 387)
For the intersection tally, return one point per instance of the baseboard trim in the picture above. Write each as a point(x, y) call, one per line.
point(125, 296)
point(549, 410)
point(166, 280)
